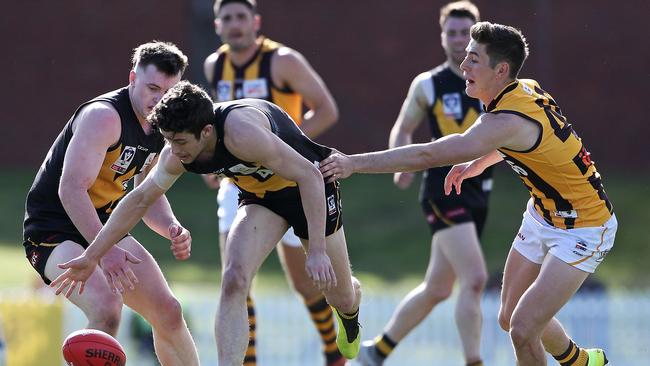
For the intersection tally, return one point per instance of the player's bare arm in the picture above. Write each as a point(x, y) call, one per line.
point(459, 172)
point(410, 116)
point(125, 216)
point(290, 68)
point(248, 136)
point(160, 218)
point(490, 132)
point(208, 67)
point(95, 129)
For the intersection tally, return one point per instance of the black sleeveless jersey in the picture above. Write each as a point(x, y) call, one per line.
point(251, 177)
point(453, 111)
point(134, 151)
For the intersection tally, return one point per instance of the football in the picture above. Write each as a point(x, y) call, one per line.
point(91, 347)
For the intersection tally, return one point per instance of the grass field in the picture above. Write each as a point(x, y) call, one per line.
point(387, 237)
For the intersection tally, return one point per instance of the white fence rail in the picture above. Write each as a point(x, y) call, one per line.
point(619, 323)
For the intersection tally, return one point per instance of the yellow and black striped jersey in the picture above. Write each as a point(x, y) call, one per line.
point(132, 153)
point(253, 80)
point(251, 177)
point(565, 186)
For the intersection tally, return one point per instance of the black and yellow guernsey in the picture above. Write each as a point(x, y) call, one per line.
point(46, 221)
point(565, 187)
point(452, 111)
point(253, 79)
point(251, 177)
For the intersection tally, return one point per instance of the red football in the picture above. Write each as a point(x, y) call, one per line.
point(91, 347)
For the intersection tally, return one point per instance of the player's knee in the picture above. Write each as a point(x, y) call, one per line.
point(168, 316)
point(234, 282)
point(106, 315)
point(521, 331)
point(476, 282)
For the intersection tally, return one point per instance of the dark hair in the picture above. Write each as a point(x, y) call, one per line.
point(250, 4)
point(164, 55)
point(184, 108)
point(503, 43)
point(459, 9)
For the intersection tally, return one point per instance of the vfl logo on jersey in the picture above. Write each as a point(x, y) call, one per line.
point(451, 105)
point(256, 88)
point(331, 205)
point(527, 89)
point(224, 90)
point(122, 163)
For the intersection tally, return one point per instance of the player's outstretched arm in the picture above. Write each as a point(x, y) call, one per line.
point(486, 135)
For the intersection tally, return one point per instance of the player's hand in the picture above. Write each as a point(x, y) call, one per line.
point(116, 268)
point(336, 166)
point(211, 180)
point(458, 174)
point(78, 270)
point(320, 270)
point(403, 180)
point(181, 241)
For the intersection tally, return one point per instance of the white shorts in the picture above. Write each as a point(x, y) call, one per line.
point(227, 198)
point(584, 248)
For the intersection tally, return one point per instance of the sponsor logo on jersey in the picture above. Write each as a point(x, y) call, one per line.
point(571, 214)
point(256, 88)
point(527, 89)
point(121, 165)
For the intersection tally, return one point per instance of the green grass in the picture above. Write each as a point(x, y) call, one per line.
point(388, 239)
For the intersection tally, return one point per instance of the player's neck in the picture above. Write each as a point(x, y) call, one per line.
point(242, 56)
point(146, 126)
point(210, 146)
point(455, 68)
point(494, 90)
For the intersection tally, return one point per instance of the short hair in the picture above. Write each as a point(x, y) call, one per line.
point(250, 4)
point(184, 108)
point(459, 9)
point(502, 43)
point(164, 55)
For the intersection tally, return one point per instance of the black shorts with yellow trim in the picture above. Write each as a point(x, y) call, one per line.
point(39, 247)
point(451, 210)
point(287, 204)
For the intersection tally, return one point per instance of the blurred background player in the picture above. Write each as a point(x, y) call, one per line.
point(456, 221)
point(106, 143)
point(252, 66)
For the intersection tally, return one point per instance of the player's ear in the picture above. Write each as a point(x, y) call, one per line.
point(207, 130)
point(132, 77)
point(503, 70)
point(257, 21)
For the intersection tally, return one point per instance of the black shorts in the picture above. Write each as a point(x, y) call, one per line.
point(446, 212)
point(39, 247)
point(287, 204)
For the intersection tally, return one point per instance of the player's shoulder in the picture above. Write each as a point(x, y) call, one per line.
point(98, 116)
point(289, 57)
point(422, 77)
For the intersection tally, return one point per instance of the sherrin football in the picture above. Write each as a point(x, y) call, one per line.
point(91, 347)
